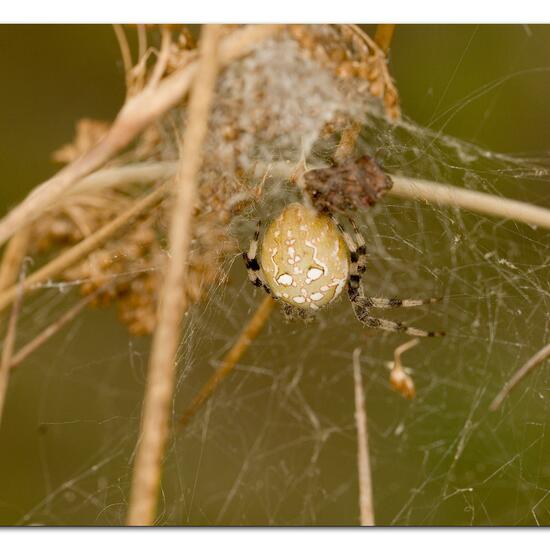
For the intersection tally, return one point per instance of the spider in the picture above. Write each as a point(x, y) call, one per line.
point(306, 258)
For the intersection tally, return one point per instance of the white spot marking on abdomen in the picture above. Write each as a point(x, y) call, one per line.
point(285, 279)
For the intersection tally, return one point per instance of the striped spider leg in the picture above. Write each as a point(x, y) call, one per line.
point(251, 261)
point(361, 303)
point(255, 276)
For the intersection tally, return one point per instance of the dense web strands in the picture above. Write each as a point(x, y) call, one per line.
point(276, 444)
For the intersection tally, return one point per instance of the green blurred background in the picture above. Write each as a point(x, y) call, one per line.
point(277, 444)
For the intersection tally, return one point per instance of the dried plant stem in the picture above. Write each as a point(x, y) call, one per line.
point(483, 203)
point(51, 330)
point(366, 505)
point(142, 40)
point(163, 57)
point(431, 192)
point(172, 304)
point(9, 344)
point(13, 258)
point(136, 114)
point(110, 178)
point(536, 360)
point(124, 52)
point(246, 337)
point(347, 142)
point(84, 247)
point(12, 261)
point(383, 36)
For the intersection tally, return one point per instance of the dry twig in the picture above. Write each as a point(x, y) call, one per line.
point(11, 266)
point(366, 505)
point(483, 203)
point(136, 114)
point(124, 52)
point(536, 360)
point(160, 380)
point(52, 329)
point(347, 142)
point(9, 344)
point(246, 337)
point(383, 36)
point(13, 258)
point(431, 192)
point(162, 60)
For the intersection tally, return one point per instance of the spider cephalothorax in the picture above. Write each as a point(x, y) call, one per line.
point(307, 258)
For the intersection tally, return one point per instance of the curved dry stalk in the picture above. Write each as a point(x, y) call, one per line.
point(136, 114)
point(121, 176)
point(246, 337)
point(431, 192)
point(124, 52)
point(12, 260)
point(84, 247)
point(51, 330)
point(172, 302)
point(366, 504)
point(476, 201)
point(9, 344)
point(142, 40)
point(519, 375)
point(383, 36)
point(163, 56)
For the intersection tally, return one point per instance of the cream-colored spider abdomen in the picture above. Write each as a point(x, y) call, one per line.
point(304, 258)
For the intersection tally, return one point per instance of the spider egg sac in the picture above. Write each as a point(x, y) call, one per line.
point(304, 258)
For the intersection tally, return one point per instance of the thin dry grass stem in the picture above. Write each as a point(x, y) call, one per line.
point(136, 114)
point(163, 56)
point(124, 52)
point(347, 142)
point(527, 368)
point(9, 344)
point(430, 192)
point(246, 337)
point(172, 304)
point(84, 247)
point(121, 176)
point(383, 36)
point(142, 40)
point(12, 261)
point(366, 504)
point(447, 195)
point(52, 329)
point(13, 258)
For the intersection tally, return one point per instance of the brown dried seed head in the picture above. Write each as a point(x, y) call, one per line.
point(345, 70)
point(376, 88)
point(402, 383)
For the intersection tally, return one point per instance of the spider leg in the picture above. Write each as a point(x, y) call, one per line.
point(252, 265)
point(361, 303)
point(291, 313)
point(391, 326)
point(358, 257)
point(393, 303)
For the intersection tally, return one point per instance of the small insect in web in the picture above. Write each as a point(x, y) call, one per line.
point(306, 258)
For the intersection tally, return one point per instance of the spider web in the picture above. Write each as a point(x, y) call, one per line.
point(276, 444)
